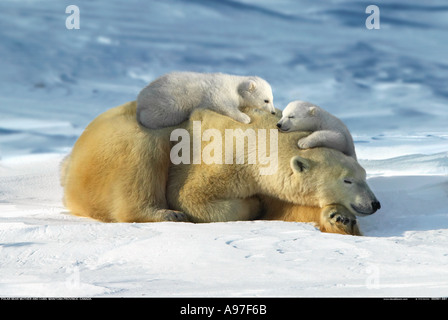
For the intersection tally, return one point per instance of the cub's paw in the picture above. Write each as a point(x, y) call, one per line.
point(337, 219)
point(244, 118)
point(304, 144)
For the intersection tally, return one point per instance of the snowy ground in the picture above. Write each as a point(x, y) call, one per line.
point(388, 85)
point(47, 252)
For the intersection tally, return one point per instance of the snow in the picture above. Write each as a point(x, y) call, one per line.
point(387, 85)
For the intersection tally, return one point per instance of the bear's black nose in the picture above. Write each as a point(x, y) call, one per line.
point(273, 112)
point(376, 205)
point(279, 125)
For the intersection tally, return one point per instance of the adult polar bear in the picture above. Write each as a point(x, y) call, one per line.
point(118, 172)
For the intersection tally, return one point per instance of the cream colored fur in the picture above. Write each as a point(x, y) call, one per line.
point(118, 172)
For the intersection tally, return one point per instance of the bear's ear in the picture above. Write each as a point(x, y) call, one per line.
point(299, 164)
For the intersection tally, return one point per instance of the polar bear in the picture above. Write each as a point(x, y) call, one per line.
point(318, 185)
point(170, 99)
point(327, 130)
point(119, 171)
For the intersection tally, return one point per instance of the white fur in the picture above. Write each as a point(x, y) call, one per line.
point(170, 99)
point(327, 130)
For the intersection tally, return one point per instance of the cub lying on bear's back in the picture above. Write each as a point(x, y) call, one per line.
point(170, 99)
point(326, 129)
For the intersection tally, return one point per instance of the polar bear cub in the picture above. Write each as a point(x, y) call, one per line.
point(327, 130)
point(170, 99)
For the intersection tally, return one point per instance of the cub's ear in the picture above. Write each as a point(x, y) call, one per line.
point(248, 86)
point(312, 111)
point(252, 85)
point(299, 164)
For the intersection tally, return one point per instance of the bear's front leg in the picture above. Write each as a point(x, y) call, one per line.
point(169, 215)
point(238, 116)
point(338, 219)
point(231, 110)
point(241, 117)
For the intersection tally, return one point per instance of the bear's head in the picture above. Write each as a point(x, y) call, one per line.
point(330, 177)
point(256, 92)
point(300, 116)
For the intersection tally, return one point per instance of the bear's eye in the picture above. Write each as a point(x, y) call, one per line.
point(290, 117)
point(347, 181)
point(266, 101)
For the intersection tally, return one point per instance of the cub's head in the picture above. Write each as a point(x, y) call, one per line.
point(330, 177)
point(299, 116)
point(256, 92)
